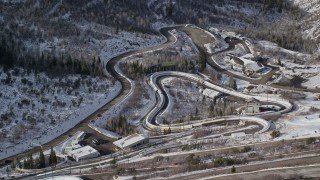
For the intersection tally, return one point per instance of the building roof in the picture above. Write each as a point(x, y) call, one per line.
point(83, 151)
point(77, 146)
point(129, 140)
point(253, 100)
point(80, 136)
point(210, 93)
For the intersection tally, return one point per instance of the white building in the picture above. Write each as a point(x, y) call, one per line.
point(80, 136)
point(131, 141)
point(253, 106)
point(246, 63)
point(85, 152)
point(73, 143)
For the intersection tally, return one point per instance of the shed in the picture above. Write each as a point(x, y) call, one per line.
point(253, 105)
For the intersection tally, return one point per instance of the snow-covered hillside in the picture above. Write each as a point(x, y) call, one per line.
point(311, 22)
point(36, 108)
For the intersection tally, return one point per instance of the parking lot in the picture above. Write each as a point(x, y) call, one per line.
point(98, 142)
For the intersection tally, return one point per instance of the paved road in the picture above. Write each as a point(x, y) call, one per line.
point(293, 159)
point(255, 166)
point(126, 87)
point(83, 125)
point(308, 171)
point(198, 36)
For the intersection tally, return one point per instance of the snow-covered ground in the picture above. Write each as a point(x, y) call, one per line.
point(125, 41)
point(138, 107)
point(184, 99)
point(65, 117)
point(220, 61)
point(311, 22)
point(108, 42)
point(313, 82)
point(310, 73)
point(36, 109)
point(188, 103)
point(273, 47)
point(241, 84)
point(135, 109)
point(303, 122)
point(218, 45)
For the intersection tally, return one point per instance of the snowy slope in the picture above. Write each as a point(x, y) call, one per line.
point(311, 23)
point(35, 109)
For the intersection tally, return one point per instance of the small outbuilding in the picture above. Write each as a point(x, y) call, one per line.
point(131, 141)
point(86, 152)
point(253, 106)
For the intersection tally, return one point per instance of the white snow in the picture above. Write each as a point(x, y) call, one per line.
point(311, 22)
point(241, 84)
point(125, 42)
point(313, 82)
point(45, 131)
point(302, 122)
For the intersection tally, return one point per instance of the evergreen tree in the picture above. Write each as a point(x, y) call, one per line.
point(54, 160)
point(18, 163)
point(117, 30)
point(202, 59)
point(31, 163)
point(233, 169)
point(25, 164)
point(51, 157)
point(113, 161)
point(6, 56)
point(37, 163)
point(84, 68)
point(42, 163)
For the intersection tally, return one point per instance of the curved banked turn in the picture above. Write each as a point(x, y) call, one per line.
point(179, 127)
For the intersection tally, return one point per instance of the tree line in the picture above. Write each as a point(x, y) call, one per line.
point(278, 4)
point(120, 125)
point(37, 163)
point(49, 63)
